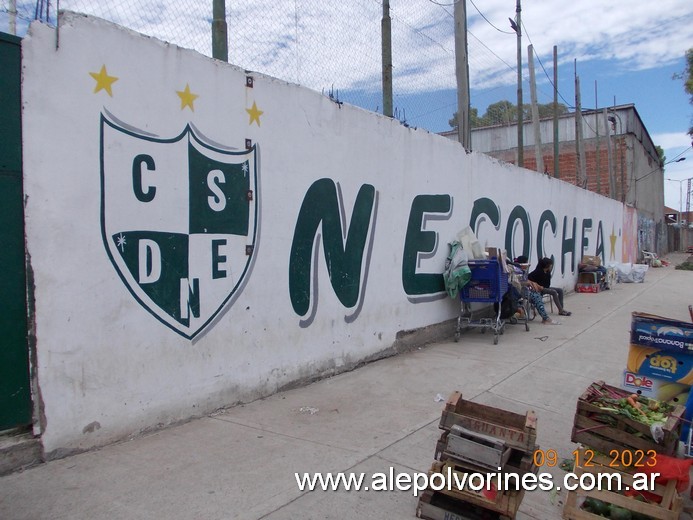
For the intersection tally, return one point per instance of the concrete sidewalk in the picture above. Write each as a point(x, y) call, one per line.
point(241, 463)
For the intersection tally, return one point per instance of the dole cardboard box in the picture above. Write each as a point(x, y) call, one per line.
point(668, 365)
point(655, 388)
point(649, 330)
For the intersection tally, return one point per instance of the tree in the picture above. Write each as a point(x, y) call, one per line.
point(505, 113)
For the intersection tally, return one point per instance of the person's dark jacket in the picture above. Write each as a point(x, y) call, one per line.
point(539, 276)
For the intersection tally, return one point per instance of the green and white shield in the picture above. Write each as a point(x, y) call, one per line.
point(179, 219)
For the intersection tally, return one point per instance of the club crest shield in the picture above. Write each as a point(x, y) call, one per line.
point(179, 220)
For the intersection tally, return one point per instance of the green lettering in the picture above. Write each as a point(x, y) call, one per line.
point(420, 241)
point(600, 243)
point(547, 217)
point(141, 194)
point(568, 245)
point(321, 208)
point(584, 239)
point(518, 213)
point(484, 206)
point(218, 258)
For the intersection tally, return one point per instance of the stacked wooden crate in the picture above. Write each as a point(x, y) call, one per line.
point(614, 445)
point(479, 439)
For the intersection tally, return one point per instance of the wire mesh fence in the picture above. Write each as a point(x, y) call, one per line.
point(331, 47)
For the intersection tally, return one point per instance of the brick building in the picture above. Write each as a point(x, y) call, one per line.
point(621, 161)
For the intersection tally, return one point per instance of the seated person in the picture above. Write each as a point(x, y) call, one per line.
point(534, 296)
point(542, 276)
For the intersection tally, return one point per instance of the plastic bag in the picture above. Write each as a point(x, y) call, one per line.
point(631, 273)
point(457, 272)
point(668, 468)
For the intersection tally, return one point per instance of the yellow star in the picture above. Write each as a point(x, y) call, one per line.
point(612, 239)
point(187, 98)
point(103, 80)
point(254, 114)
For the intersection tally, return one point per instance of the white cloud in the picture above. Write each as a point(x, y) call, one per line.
point(672, 142)
point(322, 44)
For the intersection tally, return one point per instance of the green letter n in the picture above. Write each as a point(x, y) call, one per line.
point(344, 258)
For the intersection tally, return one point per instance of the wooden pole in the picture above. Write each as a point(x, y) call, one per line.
point(556, 156)
point(535, 111)
point(386, 43)
point(518, 30)
point(462, 72)
point(612, 174)
point(220, 45)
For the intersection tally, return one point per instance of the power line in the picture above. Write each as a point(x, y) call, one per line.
point(542, 68)
point(487, 20)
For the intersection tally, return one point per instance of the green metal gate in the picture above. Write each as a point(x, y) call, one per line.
point(15, 394)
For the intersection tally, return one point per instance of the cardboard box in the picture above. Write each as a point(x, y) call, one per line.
point(649, 330)
point(655, 388)
point(592, 260)
point(662, 364)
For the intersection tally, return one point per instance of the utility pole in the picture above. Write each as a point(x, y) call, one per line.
point(13, 17)
point(220, 45)
point(539, 157)
point(556, 152)
point(596, 119)
point(386, 36)
point(462, 73)
point(581, 172)
point(518, 30)
point(612, 173)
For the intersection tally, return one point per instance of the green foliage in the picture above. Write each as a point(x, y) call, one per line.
point(686, 266)
point(505, 113)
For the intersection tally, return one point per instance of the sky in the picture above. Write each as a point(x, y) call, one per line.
point(628, 50)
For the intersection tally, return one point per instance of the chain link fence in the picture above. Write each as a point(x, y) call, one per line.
point(331, 47)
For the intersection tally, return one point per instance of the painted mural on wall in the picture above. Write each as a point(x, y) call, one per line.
point(629, 250)
point(220, 234)
point(179, 221)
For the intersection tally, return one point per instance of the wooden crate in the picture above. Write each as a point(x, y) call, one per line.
point(670, 508)
point(505, 502)
point(477, 449)
point(518, 461)
point(515, 430)
point(606, 431)
point(434, 505)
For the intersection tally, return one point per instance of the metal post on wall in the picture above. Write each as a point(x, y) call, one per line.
point(556, 156)
point(386, 43)
point(220, 45)
point(520, 115)
point(12, 11)
point(462, 72)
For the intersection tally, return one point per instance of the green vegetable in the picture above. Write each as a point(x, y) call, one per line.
point(596, 506)
point(619, 513)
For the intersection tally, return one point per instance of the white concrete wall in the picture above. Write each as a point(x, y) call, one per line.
point(110, 362)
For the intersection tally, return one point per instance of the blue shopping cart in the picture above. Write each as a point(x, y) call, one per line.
point(488, 284)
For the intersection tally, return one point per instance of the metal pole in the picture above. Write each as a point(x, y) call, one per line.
point(518, 30)
point(386, 36)
point(462, 73)
point(555, 113)
point(220, 45)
